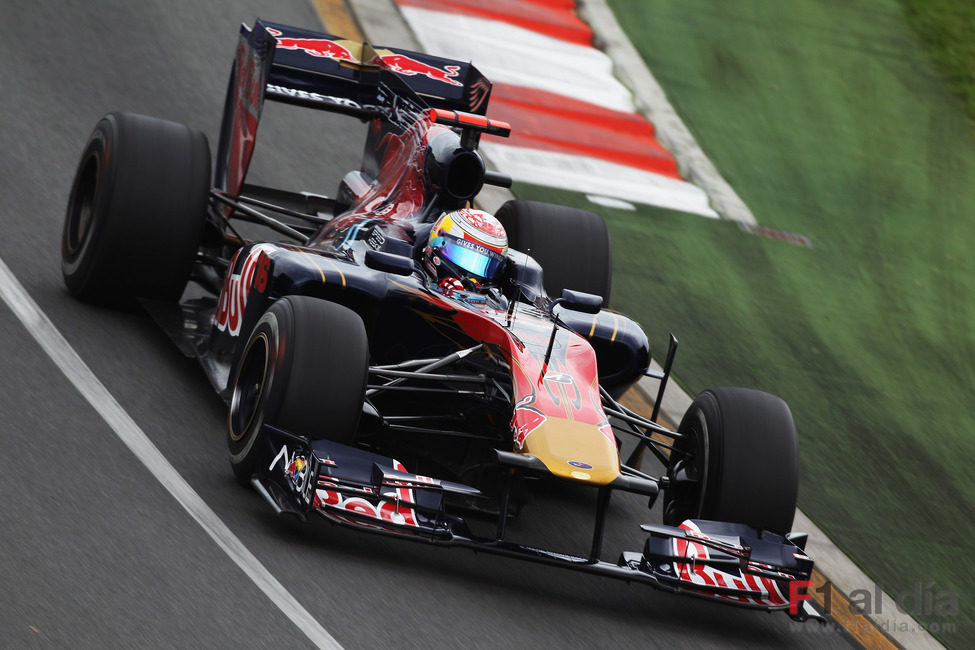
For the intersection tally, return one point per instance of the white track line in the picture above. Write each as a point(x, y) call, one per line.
point(79, 374)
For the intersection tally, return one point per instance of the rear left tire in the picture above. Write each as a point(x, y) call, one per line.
point(136, 211)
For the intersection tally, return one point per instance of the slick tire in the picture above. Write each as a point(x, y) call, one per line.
point(136, 211)
point(571, 245)
point(739, 461)
point(303, 370)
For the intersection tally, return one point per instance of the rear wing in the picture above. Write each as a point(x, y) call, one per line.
point(326, 72)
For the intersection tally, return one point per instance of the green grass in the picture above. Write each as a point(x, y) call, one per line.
point(946, 27)
point(829, 120)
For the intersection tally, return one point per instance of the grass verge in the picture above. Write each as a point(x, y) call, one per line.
point(879, 400)
point(946, 27)
point(829, 121)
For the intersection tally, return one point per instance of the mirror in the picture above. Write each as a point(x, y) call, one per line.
point(389, 263)
point(587, 303)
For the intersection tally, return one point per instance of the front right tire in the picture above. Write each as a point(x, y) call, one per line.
point(737, 461)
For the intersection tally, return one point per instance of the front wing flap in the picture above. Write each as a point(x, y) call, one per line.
point(727, 561)
point(352, 486)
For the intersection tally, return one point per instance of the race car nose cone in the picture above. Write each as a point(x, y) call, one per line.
point(575, 450)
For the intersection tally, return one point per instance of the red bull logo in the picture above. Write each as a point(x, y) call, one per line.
point(296, 470)
point(321, 47)
point(524, 421)
point(404, 65)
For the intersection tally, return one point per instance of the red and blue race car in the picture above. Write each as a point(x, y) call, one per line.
point(398, 361)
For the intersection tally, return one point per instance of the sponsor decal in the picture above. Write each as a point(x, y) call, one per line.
point(330, 501)
point(236, 287)
point(560, 386)
point(524, 421)
point(473, 245)
point(308, 95)
point(249, 83)
point(320, 47)
point(579, 464)
point(410, 67)
point(296, 470)
point(559, 378)
point(376, 239)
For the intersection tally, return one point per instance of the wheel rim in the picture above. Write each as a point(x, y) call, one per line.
point(249, 387)
point(81, 211)
point(688, 475)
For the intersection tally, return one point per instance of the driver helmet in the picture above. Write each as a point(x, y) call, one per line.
point(467, 244)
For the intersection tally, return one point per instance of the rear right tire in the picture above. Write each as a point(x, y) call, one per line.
point(571, 245)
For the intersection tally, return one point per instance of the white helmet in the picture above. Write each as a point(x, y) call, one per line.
point(468, 242)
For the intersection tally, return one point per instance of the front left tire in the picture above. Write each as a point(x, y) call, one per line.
point(303, 370)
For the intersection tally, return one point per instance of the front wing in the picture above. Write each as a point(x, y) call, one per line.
point(731, 563)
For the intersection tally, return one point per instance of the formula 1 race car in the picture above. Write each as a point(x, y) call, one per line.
point(400, 362)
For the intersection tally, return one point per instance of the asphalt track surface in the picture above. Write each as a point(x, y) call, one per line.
point(94, 552)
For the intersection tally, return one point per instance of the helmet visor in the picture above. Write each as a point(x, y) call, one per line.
point(473, 258)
